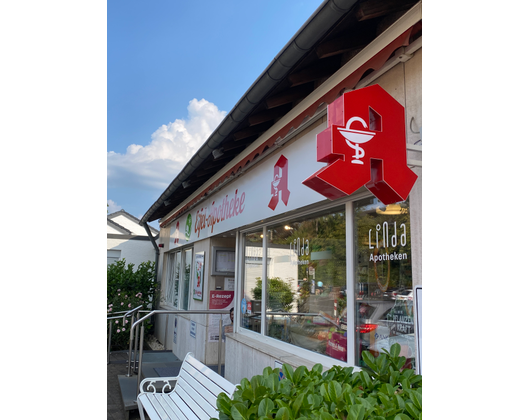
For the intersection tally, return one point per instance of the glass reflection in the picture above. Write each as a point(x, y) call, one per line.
point(383, 286)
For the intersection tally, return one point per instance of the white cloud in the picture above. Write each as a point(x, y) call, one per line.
point(112, 207)
point(171, 147)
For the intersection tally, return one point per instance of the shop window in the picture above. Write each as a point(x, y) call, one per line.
point(305, 293)
point(383, 279)
point(252, 274)
point(186, 263)
point(306, 282)
point(177, 278)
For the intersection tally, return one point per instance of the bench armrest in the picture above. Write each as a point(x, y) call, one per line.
point(161, 385)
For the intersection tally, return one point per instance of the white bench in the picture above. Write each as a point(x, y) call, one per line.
point(193, 397)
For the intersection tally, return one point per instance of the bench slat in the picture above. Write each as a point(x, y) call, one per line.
point(199, 399)
point(207, 396)
point(227, 386)
point(209, 382)
point(168, 405)
point(189, 407)
point(153, 408)
point(184, 411)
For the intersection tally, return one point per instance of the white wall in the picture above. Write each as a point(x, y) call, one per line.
point(134, 251)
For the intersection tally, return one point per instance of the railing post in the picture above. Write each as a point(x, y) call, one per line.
point(135, 345)
point(140, 359)
point(220, 346)
point(110, 336)
point(131, 339)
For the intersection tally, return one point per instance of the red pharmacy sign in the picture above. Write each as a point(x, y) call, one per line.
point(364, 145)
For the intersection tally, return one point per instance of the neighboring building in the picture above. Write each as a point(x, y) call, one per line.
point(127, 239)
point(290, 187)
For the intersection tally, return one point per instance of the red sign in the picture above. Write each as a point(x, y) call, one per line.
point(364, 145)
point(221, 299)
point(279, 183)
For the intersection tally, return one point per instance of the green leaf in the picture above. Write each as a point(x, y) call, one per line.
point(387, 389)
point(335, 391)
point(280, 403)
point(314, 400)
point(402, 416)
point(288, 371)
point(356, 412)
point(400, 402)
point(283, 414)
point(239, 411)
point(415, 396)
point(224, 403)
point(299, 373)
point(401, 362)
point(267, 371)
point(383, 364)
point(248, 394)
point(298, 402)
point(369, 359)
point(413, 411)
point(265, 407)
point(245, 383)
point(366, 380)
point(395, 349)
point(324, 392)
point(326, 416)
point(317, 368)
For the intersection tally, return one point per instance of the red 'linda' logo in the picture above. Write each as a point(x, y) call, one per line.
point(364, 145)
point(279, 183)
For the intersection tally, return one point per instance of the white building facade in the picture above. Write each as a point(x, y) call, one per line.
point(312, 279)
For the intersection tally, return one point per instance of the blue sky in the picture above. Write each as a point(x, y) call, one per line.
point(174, 70)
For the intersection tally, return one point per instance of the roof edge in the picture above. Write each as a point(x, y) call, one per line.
point(327, 14)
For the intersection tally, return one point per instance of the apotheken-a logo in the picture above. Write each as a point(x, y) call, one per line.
point(364, 145)
point(279, 183)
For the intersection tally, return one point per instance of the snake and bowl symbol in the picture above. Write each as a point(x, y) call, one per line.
point(355, 137)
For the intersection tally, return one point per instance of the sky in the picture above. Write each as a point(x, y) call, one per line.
point(175, 69)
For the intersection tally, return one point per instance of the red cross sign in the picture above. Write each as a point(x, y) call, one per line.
point(364, 145)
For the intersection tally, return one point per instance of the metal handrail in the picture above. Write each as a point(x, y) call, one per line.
point(132, 313)
point(173, 312)
point(118, 315)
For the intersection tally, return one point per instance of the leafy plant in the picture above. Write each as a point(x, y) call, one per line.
point(123, 276)
point(384, 390)
point(127, 289)
point(280, 297)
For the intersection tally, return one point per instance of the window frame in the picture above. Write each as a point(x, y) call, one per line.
point(170, 278)
point(325, 360)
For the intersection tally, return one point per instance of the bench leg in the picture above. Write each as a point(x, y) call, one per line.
point(140, 410)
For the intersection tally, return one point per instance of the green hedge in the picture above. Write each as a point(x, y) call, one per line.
point(384, 390)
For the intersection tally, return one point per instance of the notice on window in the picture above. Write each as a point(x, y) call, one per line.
point(220, 299)
point(198, 284)
point(226, 261)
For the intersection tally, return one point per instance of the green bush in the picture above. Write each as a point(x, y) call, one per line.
point(280, 297)
point(126, 290)
point(121, 275)
point(384, 390)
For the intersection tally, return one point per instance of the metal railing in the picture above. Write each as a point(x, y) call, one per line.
point(123, 315)
point(140, 321)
